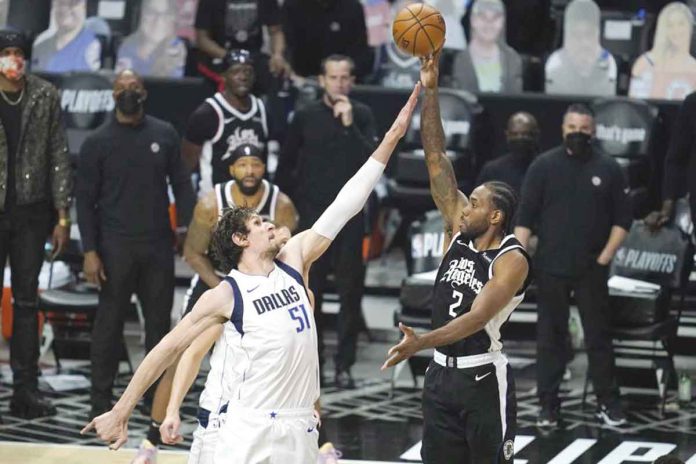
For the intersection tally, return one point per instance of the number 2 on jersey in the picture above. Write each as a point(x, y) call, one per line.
point(302, 319)
point(455, 305)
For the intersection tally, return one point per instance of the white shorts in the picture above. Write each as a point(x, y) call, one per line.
point(252, 436)
point(205, 439)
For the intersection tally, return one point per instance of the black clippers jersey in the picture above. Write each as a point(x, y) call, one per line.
point(266, 207)
point(460, 278)
point(234, 129)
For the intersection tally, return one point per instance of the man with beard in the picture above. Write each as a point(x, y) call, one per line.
point(224, 122)
point(469, 410)
point(522, 136)
point(249, 189)
point(123, 214)
point(575, 199)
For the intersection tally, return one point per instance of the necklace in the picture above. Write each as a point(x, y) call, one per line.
point(10, 102)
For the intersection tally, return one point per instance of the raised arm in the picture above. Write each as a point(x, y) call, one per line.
point(305, 248)
point(443, 184)
point(212, 308)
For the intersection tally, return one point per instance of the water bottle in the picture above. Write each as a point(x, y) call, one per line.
point(684, 388)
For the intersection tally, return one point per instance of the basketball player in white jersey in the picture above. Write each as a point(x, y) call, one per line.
point(247, 166)
point(270, 413)
point(469, 409)
point(225, 121)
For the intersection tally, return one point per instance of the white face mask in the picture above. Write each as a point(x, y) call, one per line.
point(12, 67)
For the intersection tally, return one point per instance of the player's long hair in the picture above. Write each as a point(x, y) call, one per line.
point(233, 221)
point(504, 199)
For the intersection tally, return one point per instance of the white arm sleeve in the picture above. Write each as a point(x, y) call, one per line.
point(350, 200)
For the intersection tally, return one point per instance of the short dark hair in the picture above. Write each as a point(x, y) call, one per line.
point(233, 221)
point(338, 58)
point(579, 108)
point(503, 198)
point(668, 459)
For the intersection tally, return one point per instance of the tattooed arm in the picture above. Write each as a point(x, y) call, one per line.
point(443, 184)
point(198, 239)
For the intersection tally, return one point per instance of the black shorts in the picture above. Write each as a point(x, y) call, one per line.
point(196, 289)
point(469, 414)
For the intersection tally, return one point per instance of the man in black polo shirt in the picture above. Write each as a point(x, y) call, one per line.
point(575, 199)
point(122, 211)
point(326, 144)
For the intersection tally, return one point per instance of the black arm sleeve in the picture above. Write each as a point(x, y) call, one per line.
point(86, 193)
point(286, 174)
point(680, 148)
point(621, 205)
point(531, 197)
point(180, 180)
point(202, 125)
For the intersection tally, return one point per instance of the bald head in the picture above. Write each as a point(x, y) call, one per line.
point(128, 76)
point(522, 123)
point(522, 135)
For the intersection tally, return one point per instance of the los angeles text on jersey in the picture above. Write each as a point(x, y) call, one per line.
point(461, 272)
point(276, 300)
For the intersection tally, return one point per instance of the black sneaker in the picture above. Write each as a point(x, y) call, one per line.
point(548, 416)
point(611, 414)
point(344, 380)
point(30, 405)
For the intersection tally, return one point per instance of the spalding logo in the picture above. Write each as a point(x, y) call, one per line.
point(404, 43)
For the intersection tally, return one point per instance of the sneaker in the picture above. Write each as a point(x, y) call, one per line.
point(611, 414)
point(548, 416)
point(30, 404)
point(328, 454)
point(147, 453)
point(344, 380)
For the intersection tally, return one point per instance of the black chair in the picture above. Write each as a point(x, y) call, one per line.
point(70, 312)
point(625, 130)
point(644, 324)
point(425, 242)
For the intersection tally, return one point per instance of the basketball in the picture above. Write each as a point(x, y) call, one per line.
point(419, 30)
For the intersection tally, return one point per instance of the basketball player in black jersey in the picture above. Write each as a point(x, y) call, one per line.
point(469, 409)
point(225, 121)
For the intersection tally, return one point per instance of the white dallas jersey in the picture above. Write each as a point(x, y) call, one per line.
point(220, 375)
point(275, 358)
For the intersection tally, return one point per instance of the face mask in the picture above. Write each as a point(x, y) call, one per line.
point(129, 102)
point(523, 147)
point(578, 144)
point(12, 67)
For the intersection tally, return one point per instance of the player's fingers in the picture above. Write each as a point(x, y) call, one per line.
point(120, 442)
point(87, 428)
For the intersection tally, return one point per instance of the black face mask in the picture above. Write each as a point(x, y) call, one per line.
point(578, 144)
point(129, 102)
point(523, 148)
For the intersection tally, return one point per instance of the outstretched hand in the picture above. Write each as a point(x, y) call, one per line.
point(111, 428)
point(430, 70)
point(403, 120)
point(408, 346)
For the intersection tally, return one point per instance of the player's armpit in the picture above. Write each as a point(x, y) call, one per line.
point(303, 249)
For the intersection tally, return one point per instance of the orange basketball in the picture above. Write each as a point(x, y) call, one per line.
point(419, 30)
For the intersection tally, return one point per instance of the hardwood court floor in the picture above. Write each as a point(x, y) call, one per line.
point(34, 453)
